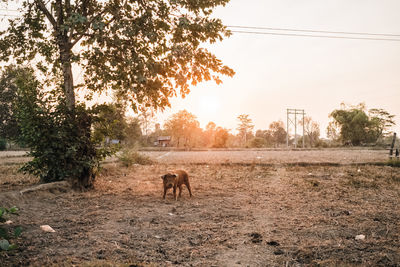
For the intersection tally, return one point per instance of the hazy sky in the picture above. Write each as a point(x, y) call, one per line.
point(274, 73)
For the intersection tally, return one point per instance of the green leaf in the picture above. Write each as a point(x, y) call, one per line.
point(13, 209)
point(4, 244)
point(17, 231)
point(13, 246)
point(3, 233)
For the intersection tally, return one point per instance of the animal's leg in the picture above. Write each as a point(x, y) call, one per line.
point(180, 190)
point(188, 187)
point(165, 192)
point(175, 193)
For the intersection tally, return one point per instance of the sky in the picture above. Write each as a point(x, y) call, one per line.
point(274, 73)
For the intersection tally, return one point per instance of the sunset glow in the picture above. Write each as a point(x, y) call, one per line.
point(274, 72)
point(208, 105)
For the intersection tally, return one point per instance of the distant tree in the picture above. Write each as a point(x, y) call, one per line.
point(220, 137)
point(109, 122)
point(381, 122)
point(147, 120)
point(245, 127)
point(357, 126)
point(311, 131)
point(266, 135)
point(278, 132)
point(333, 131)
point(9, 128)
point(133, 130)
point(209, 134)
point(260, 133)
point(257, 142)
point(183, 127)
point(211, 126)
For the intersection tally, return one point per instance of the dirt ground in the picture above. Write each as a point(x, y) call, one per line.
point(250, 214)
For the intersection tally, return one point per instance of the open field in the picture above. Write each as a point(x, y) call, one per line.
point(348, 156)
point(246, 211)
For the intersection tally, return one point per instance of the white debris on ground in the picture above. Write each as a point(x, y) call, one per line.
point(47, 228)
point(360, 237)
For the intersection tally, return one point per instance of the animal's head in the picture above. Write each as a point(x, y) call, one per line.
point(169, 180)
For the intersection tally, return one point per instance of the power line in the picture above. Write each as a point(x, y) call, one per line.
point(6, 9)
point(319, 36)
point(315, 31)
point(9, 15)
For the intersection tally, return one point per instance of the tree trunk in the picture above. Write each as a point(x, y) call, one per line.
point(65, 56)
point(65, 47)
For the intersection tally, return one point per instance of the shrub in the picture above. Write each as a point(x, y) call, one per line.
point(60, 139)
point(129, 157)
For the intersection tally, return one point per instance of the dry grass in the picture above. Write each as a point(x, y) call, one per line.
point(241, 215)
point(11, 178)
point(269, 157)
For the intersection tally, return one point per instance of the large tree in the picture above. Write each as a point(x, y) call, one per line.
point(144, 51)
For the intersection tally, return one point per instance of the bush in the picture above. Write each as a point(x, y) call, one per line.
point(257, 142)
point(60, 139)
point(321, 144)
point(129, 157)
point(3, 144)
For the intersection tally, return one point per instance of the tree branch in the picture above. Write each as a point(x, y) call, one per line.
point(79, 36)
point(42, 7)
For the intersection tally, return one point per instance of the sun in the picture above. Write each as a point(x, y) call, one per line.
point(208, 105)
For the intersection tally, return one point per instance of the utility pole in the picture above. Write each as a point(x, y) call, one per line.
point(287, 128)
point(392, 146)
point(294, 112)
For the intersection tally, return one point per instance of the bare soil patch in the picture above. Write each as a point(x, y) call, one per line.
point(256, 215)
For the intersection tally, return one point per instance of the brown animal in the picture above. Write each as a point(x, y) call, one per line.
point(174, 180)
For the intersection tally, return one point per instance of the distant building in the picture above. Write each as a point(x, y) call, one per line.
point(163, 141)
point(112, 141)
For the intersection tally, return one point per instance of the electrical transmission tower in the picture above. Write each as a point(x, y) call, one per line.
point(290, 113)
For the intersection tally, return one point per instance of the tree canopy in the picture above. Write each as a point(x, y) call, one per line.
point(359, 126)
point(142, 50)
